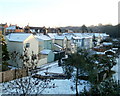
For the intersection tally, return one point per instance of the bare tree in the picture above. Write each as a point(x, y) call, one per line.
point(26, 85)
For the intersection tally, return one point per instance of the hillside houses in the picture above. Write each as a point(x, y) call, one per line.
point(14, 29)
point(49, 45)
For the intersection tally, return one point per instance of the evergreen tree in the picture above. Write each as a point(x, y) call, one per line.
point(94, 69)
point(5, 54)
point(73, 67)
point(84, 29)
point(109, 87)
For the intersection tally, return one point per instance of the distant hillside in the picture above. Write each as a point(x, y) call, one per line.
point(113, 31)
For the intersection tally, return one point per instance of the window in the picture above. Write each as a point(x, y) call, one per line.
point(27, 45)
point(82, 42)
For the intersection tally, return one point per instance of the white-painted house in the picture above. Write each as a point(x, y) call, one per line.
point(61, 40)
point(18, 41)
point(45, 48)
point(45, 42)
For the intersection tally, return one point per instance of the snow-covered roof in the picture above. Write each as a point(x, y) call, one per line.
point(100, 53)
point(104, 35)
point(83, 35)
point(60, 37)
point(42, 37)
point(52, 35)
point(76, 37)
point(115, 40)
point(45, 51)
point(114, 48)
point(11, 28)
point(58, 46)
point(68, 35)
point(18, 37)
point(110, 51)
point(107, 43)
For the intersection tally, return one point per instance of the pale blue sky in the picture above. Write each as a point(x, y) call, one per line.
point(55, 13)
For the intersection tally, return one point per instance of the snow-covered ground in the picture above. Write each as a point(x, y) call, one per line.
point(116, 68)
point(61, 86)
point(64, 86)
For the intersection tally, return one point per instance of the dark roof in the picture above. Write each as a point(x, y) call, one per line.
point(2, 24)
point(35, 27)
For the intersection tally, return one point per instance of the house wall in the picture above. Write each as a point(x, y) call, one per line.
point(33, 45)
point(50, 57)
point(41, 45)
point(68, 43)
point(55, 48)
point(42, 61)
point(65, 43)
point(15, 46)
point(48, 44)
point(60, 42)
point(91, 43)
point(88, 43)
point(18, 47)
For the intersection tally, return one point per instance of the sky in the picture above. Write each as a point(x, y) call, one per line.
point(56, 13)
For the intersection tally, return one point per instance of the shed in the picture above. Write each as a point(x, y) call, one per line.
point(47, 53)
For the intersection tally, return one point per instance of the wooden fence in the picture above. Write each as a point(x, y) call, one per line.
point(12, 74)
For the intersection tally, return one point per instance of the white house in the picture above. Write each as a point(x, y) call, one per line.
point(88, 42)
point(61, 40)
point(45, 42)
point(18, 42)
point(46, 54)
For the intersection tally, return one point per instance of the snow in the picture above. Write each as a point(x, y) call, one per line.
point(18, 37)
point(52, 35)
point(45, 51)
point(77, 37)
point(61, 86)
point(12, 67)
point(110, 50)
point(100, 53)
point(107, 43)
point(114, 49)
point(11, 28)
point(116, 68)
point(58, 46)
point(42, 37)
point(68, 35)
point(60, 37)
point(104, 35)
